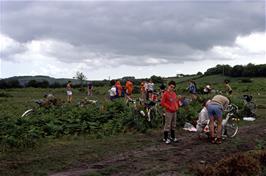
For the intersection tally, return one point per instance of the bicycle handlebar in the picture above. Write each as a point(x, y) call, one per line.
point(231, 108)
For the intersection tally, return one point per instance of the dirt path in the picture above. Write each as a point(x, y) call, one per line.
point(173, 159)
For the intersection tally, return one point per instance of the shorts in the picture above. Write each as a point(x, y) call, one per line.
point(215, 111)
point(69, 93)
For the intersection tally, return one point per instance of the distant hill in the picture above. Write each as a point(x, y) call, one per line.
point(23, 80)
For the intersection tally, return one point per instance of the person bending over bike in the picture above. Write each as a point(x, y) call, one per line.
point(215, 110)
point(170, 103)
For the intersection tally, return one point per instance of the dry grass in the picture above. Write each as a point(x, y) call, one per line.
point(242, 164)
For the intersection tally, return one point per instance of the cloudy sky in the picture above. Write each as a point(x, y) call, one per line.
point(129, 38)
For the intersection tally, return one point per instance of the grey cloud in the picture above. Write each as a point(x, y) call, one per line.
point(166, 30)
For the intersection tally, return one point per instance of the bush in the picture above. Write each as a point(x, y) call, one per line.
point(246, 80)
point(246, 164)
point(3, 94)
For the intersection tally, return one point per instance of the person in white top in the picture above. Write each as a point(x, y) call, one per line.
point(113, 91)
point(203, 117)
point(69, 91)
point(150, 88)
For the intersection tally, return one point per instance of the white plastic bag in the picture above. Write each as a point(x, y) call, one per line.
point(249, 118)
point(189, 127)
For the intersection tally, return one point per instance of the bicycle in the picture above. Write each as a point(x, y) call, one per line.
point(87, 101)
point(154, 111)
point(151, 110)
point(43, 103)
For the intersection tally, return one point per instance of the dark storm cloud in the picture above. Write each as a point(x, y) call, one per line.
point(126, 30)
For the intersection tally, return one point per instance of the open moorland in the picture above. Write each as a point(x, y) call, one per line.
point(106, 138)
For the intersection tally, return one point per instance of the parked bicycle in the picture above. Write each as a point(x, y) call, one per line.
point(151, 110)
point(86, 101)
point(47, 102)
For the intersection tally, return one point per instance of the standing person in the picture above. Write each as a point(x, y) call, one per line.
point(69, 91)
point(142, 90)
point(119, 88)
point(170, 103)
point(150, 89)
point(162, 89)
point(129, 88)
point(90, 87)
point(146, 90)
point(228, 88)
point(113, 91)
point(192, 88)
point(215, 110)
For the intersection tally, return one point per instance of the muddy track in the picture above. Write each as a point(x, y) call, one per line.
point(162, 159)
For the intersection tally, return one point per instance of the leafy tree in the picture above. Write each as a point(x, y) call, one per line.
point(81, 77)
point(199, 73)
point(3, 84)
point(32, 83)
point(43, 84)
point(237, 71)
point(56, 85)
point(156, 79)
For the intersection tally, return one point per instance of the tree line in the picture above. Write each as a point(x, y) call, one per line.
point(249, 70)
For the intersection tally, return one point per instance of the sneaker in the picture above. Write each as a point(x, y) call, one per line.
point(174, 139)
point(167, 141)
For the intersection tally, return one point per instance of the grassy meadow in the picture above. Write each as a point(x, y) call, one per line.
point(61, 138)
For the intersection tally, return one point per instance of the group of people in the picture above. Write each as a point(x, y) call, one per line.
point(69, 90)
point(212, 109)
point(117, 90)
point(193, 90)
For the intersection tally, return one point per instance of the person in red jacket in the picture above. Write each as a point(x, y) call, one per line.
point(170, 103)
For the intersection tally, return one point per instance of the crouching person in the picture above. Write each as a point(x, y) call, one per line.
point(170, 103)
point(203, 118)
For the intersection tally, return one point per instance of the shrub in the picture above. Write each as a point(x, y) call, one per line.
point(246, 80)
point(250, 163)
point(3, 94)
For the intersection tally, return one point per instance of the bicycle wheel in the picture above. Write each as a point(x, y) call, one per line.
point(28, 112)
point(231, 129)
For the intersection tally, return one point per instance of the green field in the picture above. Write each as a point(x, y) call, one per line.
point(67, 137)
